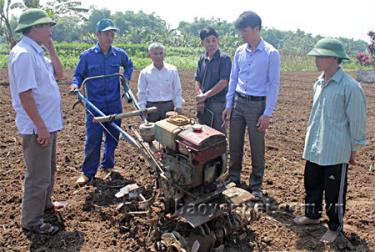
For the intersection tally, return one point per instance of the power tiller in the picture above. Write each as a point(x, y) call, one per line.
point(189, 161)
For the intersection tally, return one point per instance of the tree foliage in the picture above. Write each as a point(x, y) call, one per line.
point(54, 8)
point(75, 23)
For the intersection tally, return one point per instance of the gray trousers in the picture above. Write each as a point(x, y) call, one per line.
point(213, 120)
point(245, 113)
point(163, 108)
point(39, 179)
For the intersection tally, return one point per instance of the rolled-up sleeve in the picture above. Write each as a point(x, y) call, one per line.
point(225, 68)
point(26, 79)
point(356, 109)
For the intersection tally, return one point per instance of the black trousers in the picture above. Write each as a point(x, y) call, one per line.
point(163, 107)
point(332, 181)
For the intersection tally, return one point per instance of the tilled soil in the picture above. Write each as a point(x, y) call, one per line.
point(93, 224)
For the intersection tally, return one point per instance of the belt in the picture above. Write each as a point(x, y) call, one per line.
point(159, 102)
point(250, 97)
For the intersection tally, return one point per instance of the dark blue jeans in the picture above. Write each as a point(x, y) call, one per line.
point(94, 135)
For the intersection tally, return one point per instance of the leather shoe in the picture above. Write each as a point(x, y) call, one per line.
point(82, 180)
point(229, 180)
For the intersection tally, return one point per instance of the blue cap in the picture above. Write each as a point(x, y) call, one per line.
point(105, 24)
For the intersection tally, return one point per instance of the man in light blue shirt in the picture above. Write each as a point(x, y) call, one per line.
point(336, 130)
point(251, 98)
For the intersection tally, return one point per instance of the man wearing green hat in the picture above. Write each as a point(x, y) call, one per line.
point(104, 93)
point(336, 130)
point(37, 102)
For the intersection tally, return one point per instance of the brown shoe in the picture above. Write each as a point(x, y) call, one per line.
point(82, 180)
point(106, 173)
point(45, 228)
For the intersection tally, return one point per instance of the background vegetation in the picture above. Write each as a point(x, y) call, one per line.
point(75, 28)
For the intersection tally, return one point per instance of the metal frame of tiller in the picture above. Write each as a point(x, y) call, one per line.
point(135, 141)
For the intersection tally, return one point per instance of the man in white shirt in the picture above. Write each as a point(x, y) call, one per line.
point(159, 85)
point(37, 102)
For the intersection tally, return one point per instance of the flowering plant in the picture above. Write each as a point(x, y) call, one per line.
point(363, 58)
point(368, 58)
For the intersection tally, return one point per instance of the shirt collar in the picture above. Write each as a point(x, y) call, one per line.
point(98, 50)
point(33, 44)
point(335, 78)
point(260, 46)
point(153, 67)
point(216, 55)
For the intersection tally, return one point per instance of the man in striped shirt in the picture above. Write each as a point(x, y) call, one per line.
point(336, 130)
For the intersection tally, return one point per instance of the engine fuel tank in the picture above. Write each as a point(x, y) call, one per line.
point(204, 144)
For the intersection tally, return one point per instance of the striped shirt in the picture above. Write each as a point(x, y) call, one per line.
point(337, 123)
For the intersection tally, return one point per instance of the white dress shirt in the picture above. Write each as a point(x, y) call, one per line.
point(29, 69)
point(156, 85)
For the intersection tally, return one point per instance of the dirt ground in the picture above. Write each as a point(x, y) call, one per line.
point(93, 224)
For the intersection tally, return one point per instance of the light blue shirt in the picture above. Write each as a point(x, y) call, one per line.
point(337, 123)
point(29, 69)
point(255, 73)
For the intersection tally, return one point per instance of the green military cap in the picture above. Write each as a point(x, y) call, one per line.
point(32, 17)
point(329, 47)
point(105, 24)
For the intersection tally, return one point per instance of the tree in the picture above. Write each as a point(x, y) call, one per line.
point(5, 6)
point(54, 8)
point(67, 29)
point(192, 29)
point(61, 8)
point(94, 17)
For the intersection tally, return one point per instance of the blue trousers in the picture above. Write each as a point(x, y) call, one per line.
point(94, 135)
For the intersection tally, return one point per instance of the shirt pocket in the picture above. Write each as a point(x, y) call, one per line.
point(335, 107)
point(114, 68)
point(244, 65)
point(215, 69)
point(94, 70)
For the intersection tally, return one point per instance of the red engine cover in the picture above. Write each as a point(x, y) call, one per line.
point(203, 145)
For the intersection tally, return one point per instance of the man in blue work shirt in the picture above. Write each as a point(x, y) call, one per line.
point(336, 130)
point(104, 93)
point(251, 98)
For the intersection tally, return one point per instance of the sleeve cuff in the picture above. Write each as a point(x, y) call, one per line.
point(356, 147)
point(267, 113)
